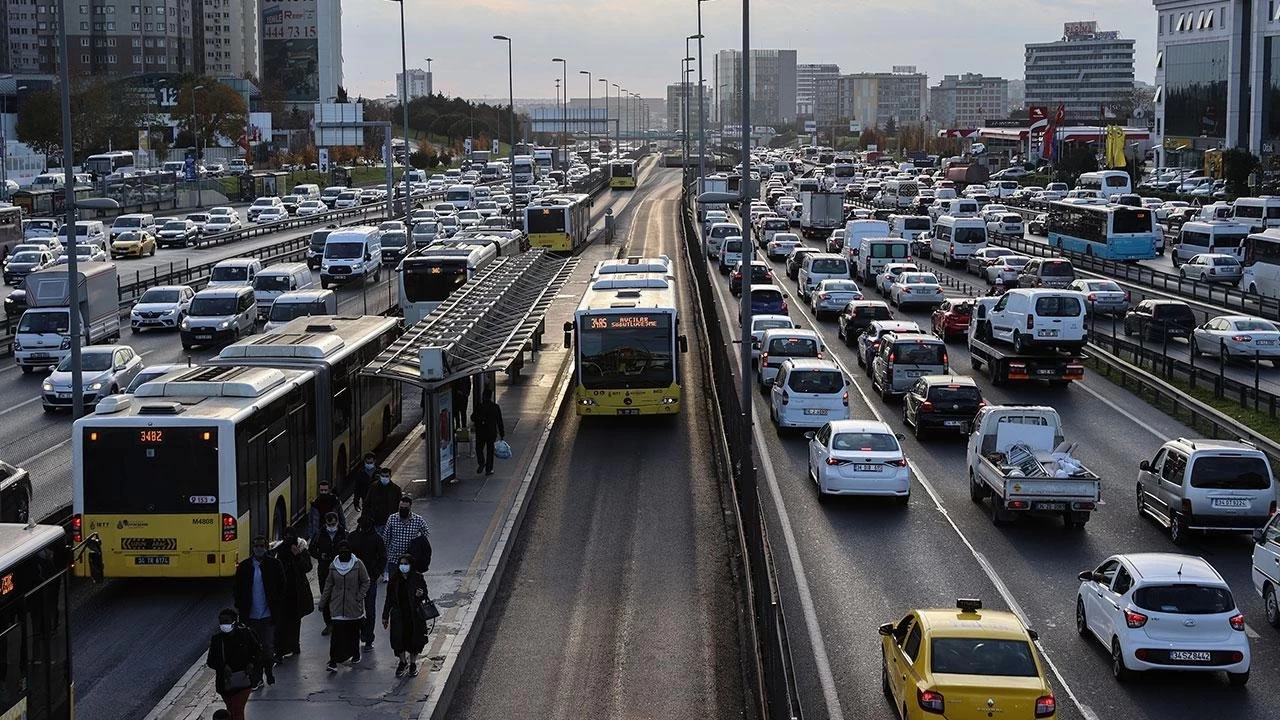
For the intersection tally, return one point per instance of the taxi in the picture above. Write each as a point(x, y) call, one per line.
point(134, 243)
point(963, 664)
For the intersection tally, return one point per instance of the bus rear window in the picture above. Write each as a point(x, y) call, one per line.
point(150, 471)
point(1131, 221)
point(550, 220)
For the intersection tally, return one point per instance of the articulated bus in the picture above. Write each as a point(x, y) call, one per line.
point(627, 344)
point(178, 478)
point(35, 634)
point(1110, 232)
point(622, 175)
point(559, 223)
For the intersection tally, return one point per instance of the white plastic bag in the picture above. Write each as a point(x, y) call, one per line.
point(502, 450)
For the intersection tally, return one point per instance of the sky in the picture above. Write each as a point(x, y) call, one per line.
point(639, 44)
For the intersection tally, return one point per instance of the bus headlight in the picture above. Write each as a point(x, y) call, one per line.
point(670, 400)
point(587, 401)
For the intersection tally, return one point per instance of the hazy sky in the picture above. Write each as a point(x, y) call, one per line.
point(639, 44)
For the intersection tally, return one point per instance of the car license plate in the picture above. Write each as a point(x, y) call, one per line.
point(1047, 333)
point(1046, 371)
point(628, 411)
point(915, 373)
point(148, 322)
point(1049, 506)
point(953, 423)
point(866, 468)
point(64, 396)
point(1190, 655)
point(39, 356)
point(815, 411)
point(1231, 502)
point(204, 337)
point(1266, 342)
point(151, 560)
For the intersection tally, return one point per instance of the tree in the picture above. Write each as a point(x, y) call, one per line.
point(1074, 161)
point(40, 121)
point(891, 126)
point(341, 96)
point(219, 110)
point(421, 159)
point(1237, 165)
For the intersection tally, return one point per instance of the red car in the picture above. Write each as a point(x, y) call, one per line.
point(951, 318)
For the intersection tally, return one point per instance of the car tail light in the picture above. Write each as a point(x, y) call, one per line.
point(900, 462)
point(1016, 505)
point(945, 359)
point(1093, 297)
point(893, 357)
point(1241, 338)
point(77, 528)
point(824, 296)
point(786, 398)
point(1237, 622)
point(764, 358)
point(1272, 510)
point(1186, 506)
point(926, 406)
point(836, 462)
point(1126, 296)
point(1046, 706)
point(784, 306)
point(931, 701)
point(229, 531)
point(1030, 322)
point(1134, 619)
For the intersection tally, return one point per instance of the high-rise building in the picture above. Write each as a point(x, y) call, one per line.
point(966, 101)
point(229, 36)
point(676, 96)
point(419, 83)
point(1017, 94)
point(809, 80)
point(873, 99)
point(1086, 72)
point(772, 76)
point(302, 48)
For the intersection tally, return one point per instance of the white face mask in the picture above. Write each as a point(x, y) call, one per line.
point(369, 466)
point(405, 569)
point(226, 628)
point(384, 480)
point(332, 528)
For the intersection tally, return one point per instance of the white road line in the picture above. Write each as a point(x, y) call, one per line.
point(24, 403)
point(1145, 426)
point(42, 453)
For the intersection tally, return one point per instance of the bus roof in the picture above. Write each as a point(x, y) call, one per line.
point(471, 249)
point(19, 541)
point(617, 281)
point(308, 339)
point(558, 200)
point(628, 299)
point(199, 395)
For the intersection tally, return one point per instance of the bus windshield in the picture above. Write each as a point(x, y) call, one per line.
point(547, 220)
point(149, 471)
point(626, 351)
point(434, 282)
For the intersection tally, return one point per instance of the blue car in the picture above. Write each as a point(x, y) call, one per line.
point(767, 300)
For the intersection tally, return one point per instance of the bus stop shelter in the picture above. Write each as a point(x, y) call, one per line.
point(483, 327)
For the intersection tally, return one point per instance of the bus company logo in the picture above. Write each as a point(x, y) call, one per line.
point(126, 524)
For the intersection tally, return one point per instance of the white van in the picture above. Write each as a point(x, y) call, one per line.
point(854, 231)
point(716, 235)
point(1259, 213)
point(898, 194)
point(956, 238)
point(874, 253)
point(1198, 237)
point(909, 227)
point(306, 191)
point(731, 253)
point(234, 272)
point(351, 253)
point(818, 267)
point(1045, 318)
point(133, 221)
point(87, 231)
point(297, 303)
point(275, 280)
point(461, 197)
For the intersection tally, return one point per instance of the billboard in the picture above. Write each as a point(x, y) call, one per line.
point(291, 47)
point(1080, 29)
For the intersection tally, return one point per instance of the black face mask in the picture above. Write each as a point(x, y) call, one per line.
point(404, 513)
point(345, 556)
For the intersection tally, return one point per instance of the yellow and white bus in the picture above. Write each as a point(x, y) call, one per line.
point(622, 174)
point(559, 223)
point(178, 478)
point(627, 347)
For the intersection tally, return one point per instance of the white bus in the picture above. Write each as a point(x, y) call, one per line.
point(103, 164)
point(1262, 263)
point(429, 276)
point(1259, 213)
point(1108, 183)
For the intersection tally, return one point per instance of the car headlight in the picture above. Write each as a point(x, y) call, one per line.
point(186, 325)
point(95, 387)
point(47, 386)
point(224, 324)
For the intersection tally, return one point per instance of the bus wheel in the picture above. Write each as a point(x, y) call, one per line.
point(279, 521)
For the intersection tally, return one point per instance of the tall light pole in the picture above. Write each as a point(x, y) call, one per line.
point(69, 185)
point(564, 111)
point(617, 133)
point(701, 147)
point(589, 118)
point(684, 127)
point(511, 95)
point(195, 131)
point(404, 106)
point(748, 464)
point(605, 82)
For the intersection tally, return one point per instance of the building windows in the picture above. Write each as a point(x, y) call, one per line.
point(1196, 88)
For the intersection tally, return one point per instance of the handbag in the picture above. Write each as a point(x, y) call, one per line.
point(502, 450)
point(238, 680)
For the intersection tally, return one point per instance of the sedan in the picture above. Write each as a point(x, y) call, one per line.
point(912, 288)
point(858, 457)
point(941, 402)
point(761, 273)
point(84, 253)
point(23, 263)
point(1005, 269)
point(951, 319)
point(1036, 225)
point(222, 219)
point(134, 243)
point(177, 232)
point(1212, 267)
point(781, 245)
point(1007, 224)
point(488, 208)
point(149, 373)
point(993, 211)
point(981, 259)
point(832, 295)
point(1238, 336)
point(889, 273)
point(310, 207)
point(470, 218)
point(347, 199)
point(105, 369)
point(163, 306)
point(1102, 297)
point(272, 214)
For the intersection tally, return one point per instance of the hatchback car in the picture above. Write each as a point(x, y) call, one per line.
point(1046, 273)
point(808, 392)
point(104, 370)
point(857, 315)
point(1156, 319)
point(163, 306)
point(1035, 225)
point(868, 342)
point(24, 262)
point(1212, 267)
point(1162, 611)
point(1237, 337)
point(981, 259)
point(914, 288)
point(858, 457)
point(1005, 269)
point(832, 295)
point(781, 244)
point(944, 403)
point(761, 323)
point(1102, 297)
point(760, 273)
point(767, 300)
point(951, 319)
point(1006, 224)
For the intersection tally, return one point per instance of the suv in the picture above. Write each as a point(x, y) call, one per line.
point(808, 392)
point(1160, 318)
point(1047, 318)
point(779, 345)
point(265, 203)
point(818, 267)
point(1206, 485)
point(902, 358)
point(868, 342)
point(218, 316)
point(1047, 273)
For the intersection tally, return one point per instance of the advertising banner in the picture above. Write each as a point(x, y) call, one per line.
point(291, 48)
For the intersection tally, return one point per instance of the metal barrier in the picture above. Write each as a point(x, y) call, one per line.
point(773, 675)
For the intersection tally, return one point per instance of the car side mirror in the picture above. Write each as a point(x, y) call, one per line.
point(886, 629)
point(810, 435)
point(1033, 634)
point(1145, 466)
point(120, 367)
point(900, 436)
point(1086, 576)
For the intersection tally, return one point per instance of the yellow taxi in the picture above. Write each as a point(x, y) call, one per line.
point(134, 243)
point(963, 664)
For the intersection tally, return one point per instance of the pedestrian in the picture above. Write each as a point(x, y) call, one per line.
point(324, 548)
point(343, 598)
point(259, 593)
point(403, 615)
point(381, 500)
point(298, 601)
point(372, 551)
point(326, 502)
point(489, 429)
point(238, 661)
point(362, 478)
point(402, 529)
point(461, 395)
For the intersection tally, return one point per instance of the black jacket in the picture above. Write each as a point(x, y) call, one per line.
point(488, 421)
point(297, 587)
point(321, 506)
point(237, 651)
point(381, 501)
point(324, 548)
point(360, 480)
point(273, 584)
point(403, 610)
point(370, 548)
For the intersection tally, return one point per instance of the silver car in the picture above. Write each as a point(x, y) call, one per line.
point(1239, 336)
point(1212, 267)
point(1102, 297)
point(832, 295)
point(106, 369)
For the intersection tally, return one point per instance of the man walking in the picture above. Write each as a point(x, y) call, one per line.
point(402, 529)
point(372, 551)
point(324, 548)
point(259, 593)
point(326, 502)
point(489, 429)
point(362, 478)
point(380, 502)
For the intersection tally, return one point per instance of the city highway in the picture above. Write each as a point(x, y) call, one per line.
point(619, 600)
point(847, 566)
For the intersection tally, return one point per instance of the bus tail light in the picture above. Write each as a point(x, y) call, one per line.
point(229, 531)
point(77, 529)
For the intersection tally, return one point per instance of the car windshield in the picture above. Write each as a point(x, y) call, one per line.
point(915, 224)
point(1225, 261)
point(963, 308)
point(158, 295)
point(1015, 261)
point(1184, 599)
point(966, 394)
point(264, 202)
point(1057, 306)
point(816, 381)
point(343, 250)
point(760, 326)
point(44, 322)
point(982, 656)
point(394, 239)
point(864, 441)
point(1058, 268)
point(793, 347)
point(918, 279)
point(83, 250)
point(127, 222)
point(919, 353)
point(26, 256)
point(890, 250)
point(230, 273)
point(271, 283)
point(1255, 325)
point(176, 225)
point(91, 361)
point(1230, 472)
point(733, 246)
point(213, 306)
point(1101, 286)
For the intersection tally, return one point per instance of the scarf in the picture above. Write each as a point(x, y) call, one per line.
point(343, 568)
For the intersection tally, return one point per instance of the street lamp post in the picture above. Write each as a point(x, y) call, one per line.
point(702, 126)
point(73, 320)
point(404, 106)
point(685, 70)
point(564, 111)
point(589, 118)
point(195, 130)
point(744, 333)
point(617, 133)
point(605, 82)
point(511, 95)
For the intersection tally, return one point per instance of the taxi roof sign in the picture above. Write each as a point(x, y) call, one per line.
point(969, 604)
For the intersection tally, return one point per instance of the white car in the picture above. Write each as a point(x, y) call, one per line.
point(347, 199)
point(781, 245)
point(488, 208)
point(993, 211)
point(889, 273)
point(1006, 268)
point(162, 306)
point(263, 204)
point(310, 207)
point(830, 296)
point(1266, 568)
point(272, 214)
point(1162, 211)
point(915, 288)
point(1238, 336)
point(1162, 611)
point(469, 218)
point(222, 219)
point(858, 457)
point(84, 253)
point(760, 323)
point(1006, 224)
point(808, 392)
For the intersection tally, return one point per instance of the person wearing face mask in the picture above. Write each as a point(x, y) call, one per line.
point(403, 616)
point(238, 660)
point(343, 598)
point(372, 551)
point(381, 500)
point(326, 502)
point(324, 548)
point(362, 478)
point(298, 603)
point(260, 593)
point(402, 529)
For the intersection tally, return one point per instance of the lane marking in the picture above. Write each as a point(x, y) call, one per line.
point(25, 403)
point(1140, 423)
point(42, 453)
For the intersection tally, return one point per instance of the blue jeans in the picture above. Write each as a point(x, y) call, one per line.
point(370, 613)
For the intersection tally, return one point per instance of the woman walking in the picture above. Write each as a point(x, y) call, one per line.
point(299, 603)
point(239, 661)
point(404, 614)
point(343, 597)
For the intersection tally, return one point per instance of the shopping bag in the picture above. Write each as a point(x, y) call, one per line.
point(502, 450)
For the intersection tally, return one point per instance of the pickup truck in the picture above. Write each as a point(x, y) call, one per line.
point(1016, 458)
point(1056, 367)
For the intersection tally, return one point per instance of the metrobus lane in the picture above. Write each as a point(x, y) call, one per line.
point(850, 564)
point(1036, 562)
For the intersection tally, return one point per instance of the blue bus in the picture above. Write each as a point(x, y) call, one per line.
point(1110, 232)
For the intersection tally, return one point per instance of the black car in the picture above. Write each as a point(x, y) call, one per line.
point(946, 403)
point(1155, 319)
point(857, 315)
point(796, 259)
point(761, 273)
point(14, 305)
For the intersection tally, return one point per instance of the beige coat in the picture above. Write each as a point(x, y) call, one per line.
point(344, 593)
